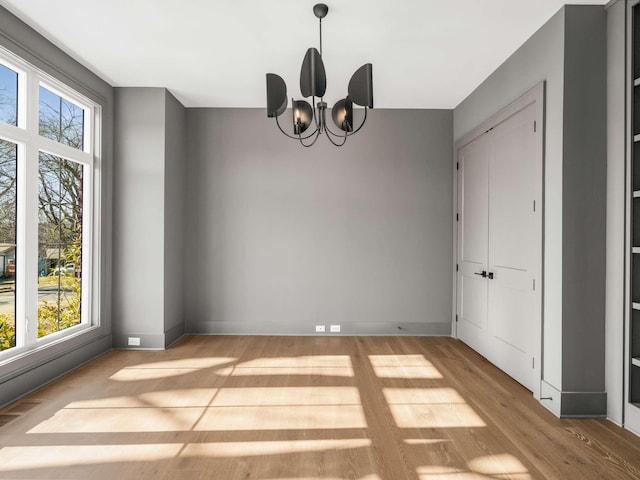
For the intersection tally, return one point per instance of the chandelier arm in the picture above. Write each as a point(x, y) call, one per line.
point(317, 134)
point(293, 137)
point(330, 135)
point(333, 133)
point(362, 124)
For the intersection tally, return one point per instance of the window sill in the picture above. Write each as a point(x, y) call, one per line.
point(22, 361)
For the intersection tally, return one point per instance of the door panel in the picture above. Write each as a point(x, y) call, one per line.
point(474, 304)
point(511, 243)
point(473, 226)
point(512, 191)
point(507, 308)
point(474, 172)
point(510, 342)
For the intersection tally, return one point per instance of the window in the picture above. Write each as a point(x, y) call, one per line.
point(8, 95)
point(60, 119)
point(8, 203)
point(48, 183)
point(59, 243)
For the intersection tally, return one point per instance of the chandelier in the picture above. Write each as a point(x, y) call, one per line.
point(313, 83)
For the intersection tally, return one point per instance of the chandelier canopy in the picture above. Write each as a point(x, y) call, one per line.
point(313, 83)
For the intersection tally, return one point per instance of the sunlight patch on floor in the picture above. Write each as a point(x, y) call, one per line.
point(323, 365)
point(285, 417)
point(430, 408)
point(119, 420)
point(425, 441)
point(168, 368)
point(429, 396)
point(366, 477)
point(274, 371)
point(51, 456)
point(427, 373)
point(298, 362)
point(496, 465)
point(273, 447)
point(403, 366)
point(141, 374)
point(286, 396)
point(500, 466)
point(187, 397)
point(414, 360)
point(188, 363)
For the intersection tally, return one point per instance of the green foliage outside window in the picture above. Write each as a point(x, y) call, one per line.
point(52, 316)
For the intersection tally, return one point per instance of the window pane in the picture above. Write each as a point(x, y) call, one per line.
point(61, 120)
point(8, 95)
point(60, 244)
point(8, 198)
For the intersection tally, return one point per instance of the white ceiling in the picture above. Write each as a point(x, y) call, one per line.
point(215, 53)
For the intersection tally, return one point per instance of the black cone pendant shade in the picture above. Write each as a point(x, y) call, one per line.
point(313, 83)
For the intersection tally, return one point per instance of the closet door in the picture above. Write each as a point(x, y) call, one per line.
point(512, 243)
point(499, 252)
point(473, 226)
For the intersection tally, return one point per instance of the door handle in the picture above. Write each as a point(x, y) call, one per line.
point(483, 274)
point(490, 275)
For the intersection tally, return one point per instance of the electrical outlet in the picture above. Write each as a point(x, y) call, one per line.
point(319, 328)
point(334, 328)
point(134, 341)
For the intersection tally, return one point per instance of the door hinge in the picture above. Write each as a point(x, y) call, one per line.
point(534, 205)
point(535, 126)
point(534, 283)
point(457, 217)
point(456, 267)
point(533, 362)
point(457, 165)
point(456, 317)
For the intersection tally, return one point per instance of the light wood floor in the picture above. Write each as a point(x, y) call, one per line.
point(322, 408)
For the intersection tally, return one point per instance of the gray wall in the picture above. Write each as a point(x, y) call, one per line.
point(149, 187)
point(584, 185)
point(174, 222)
point(280, 238)
point(138, 239)
point(29, 372)
point(568, 54)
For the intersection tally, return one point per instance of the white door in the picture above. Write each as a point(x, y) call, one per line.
point(497, 234)
point(473, 248)
point(512, 243)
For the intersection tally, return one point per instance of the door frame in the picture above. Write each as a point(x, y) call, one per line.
point(534, 96)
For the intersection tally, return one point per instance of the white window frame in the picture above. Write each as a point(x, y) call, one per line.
point(26, 136)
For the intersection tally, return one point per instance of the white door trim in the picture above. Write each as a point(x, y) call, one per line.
point(535, 95)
